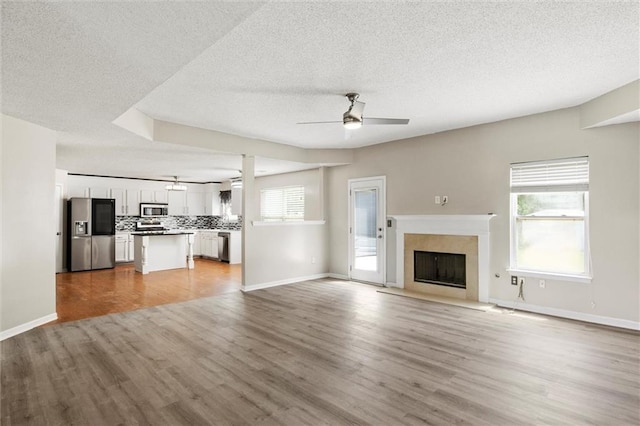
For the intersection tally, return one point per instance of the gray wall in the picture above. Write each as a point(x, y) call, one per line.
point(471, 166)
point(28, 289)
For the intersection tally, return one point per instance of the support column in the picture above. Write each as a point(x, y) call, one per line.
point(249, 213)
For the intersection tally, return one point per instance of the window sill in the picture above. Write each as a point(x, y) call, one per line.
point(289, 223)
point(585, 279)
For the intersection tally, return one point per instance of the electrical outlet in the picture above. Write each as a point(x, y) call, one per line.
point(521, 281)
point(445, 199)
point(593, 304)
point(437, 199)
point(514, 280)
point(542, 283)
point(313, 260)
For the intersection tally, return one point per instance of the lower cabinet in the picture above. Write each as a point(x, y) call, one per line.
point(209, 244)
point(124, 247)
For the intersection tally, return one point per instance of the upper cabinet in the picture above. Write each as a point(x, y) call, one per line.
point(186, 203)
point(77, 191)
point(195, 203)
point(198, 200)
point(177, 203)
point(127, 201)
point(153, 196)
point(99, 192)
point(212, 203)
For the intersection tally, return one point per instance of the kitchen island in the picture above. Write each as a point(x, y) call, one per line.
point(159, 251)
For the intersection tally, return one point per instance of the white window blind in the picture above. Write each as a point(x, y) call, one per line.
point(282, 204)
point(571, 174)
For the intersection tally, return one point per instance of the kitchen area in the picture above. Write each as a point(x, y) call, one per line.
point(156, 225)
point(131, 243)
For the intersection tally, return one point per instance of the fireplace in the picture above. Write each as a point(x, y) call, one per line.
point(464, 234)
point(446, 269)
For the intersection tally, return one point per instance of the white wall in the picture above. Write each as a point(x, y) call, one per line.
point(28, 288)
point(286, 252)
point(471, 166)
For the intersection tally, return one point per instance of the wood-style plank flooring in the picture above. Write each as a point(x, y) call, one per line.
point(322, 352)
point(89, 294)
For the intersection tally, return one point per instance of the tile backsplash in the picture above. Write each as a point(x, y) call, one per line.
point(128, 223)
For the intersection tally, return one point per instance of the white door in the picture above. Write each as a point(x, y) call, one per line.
point(59, 218)
point(367, 229)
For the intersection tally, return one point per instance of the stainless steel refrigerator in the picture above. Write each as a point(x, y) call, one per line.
point(92, 234)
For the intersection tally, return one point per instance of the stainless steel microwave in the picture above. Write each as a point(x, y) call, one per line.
point(154, 210)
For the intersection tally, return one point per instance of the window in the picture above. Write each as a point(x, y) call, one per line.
point(282, 204)
point(225, 207)
point(549, 217)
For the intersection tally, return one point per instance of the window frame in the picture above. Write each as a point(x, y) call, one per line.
point(283, 218)
point(551, 187)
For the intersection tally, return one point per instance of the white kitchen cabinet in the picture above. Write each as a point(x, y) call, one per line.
point(186, 203)
point(236, 201)
point(197, 250)
point(133, 206)
point(212, 203)
point(205, 244)
point(78, 191)
point(127, 203)
point(122, 248)
point(209, 244)
point(153, 196)
point(214, 246)
point(235, 247)
point(121, 198)
point(195, 203)
point(177, 203)
point(99, 192)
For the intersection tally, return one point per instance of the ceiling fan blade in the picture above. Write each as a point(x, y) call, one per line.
point(319, 122)
point(370, 120)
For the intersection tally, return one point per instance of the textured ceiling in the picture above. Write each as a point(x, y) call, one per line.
point(255, 69)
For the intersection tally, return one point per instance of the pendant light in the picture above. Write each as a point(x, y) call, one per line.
point(175, 186)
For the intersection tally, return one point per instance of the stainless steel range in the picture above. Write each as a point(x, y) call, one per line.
point(151, 227)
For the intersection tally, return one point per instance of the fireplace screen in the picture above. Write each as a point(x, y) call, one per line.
point(440, 268)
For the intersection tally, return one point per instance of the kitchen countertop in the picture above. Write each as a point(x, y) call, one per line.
point(161, 233)
point(177, 231)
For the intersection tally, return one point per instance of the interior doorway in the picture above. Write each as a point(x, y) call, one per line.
point(367, 257)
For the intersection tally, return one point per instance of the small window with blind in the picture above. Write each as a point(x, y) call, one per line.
point(549, 217)
point(282, 204)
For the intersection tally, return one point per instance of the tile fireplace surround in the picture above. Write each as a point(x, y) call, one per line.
point(409, 229)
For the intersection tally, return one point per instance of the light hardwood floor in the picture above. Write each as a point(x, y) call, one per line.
point(89, 294)
point(320, 352)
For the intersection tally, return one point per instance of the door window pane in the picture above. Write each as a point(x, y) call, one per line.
point(365, 244)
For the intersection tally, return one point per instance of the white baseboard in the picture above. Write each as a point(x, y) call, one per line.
point(338, 276)
point(27, 326)
point(580, 316)
point(284, 282)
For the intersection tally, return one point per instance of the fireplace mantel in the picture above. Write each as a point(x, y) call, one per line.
point(477, 225)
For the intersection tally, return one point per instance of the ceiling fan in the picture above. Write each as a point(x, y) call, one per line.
point(353, 119)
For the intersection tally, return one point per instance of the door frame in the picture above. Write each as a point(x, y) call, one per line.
point(60, 244)
point(382, 253)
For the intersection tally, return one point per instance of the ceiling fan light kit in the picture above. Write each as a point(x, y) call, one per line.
point(351, 123)
point(353, 119)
